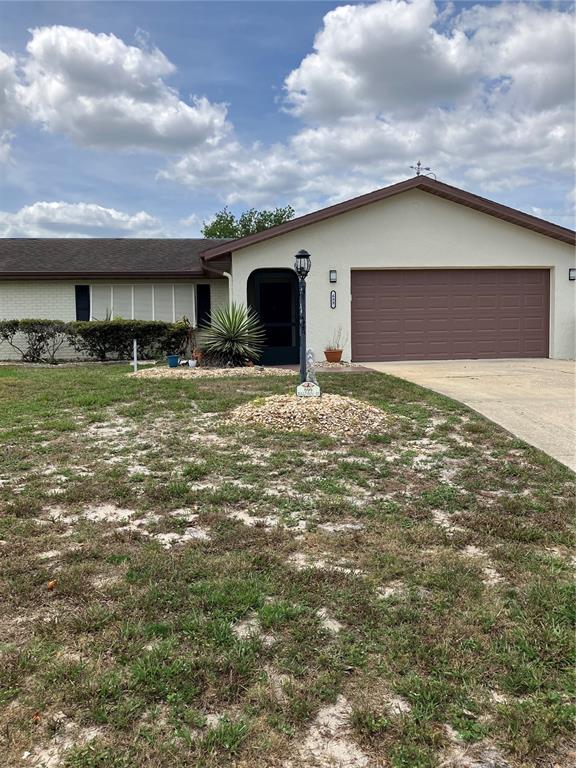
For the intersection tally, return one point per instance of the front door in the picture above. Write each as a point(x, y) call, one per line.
point(273, 294)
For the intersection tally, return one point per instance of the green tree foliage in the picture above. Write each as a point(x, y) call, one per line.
point(226, 224)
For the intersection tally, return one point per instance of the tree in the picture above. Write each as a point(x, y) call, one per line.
point(226, 224)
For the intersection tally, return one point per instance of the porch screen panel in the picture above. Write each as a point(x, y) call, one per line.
point(122, 301)
point(100, 302)
point(143, 302)
point(163, 303)
point(184, 302)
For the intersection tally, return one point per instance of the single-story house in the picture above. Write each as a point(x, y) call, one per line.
point(418, 270)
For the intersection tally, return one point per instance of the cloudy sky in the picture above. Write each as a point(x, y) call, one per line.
point(143, 119)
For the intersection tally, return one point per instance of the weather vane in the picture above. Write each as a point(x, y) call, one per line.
point(419, 168)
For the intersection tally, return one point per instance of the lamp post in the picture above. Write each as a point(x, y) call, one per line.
point(302, 264)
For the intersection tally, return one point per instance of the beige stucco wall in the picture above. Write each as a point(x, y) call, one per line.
point(56, 300)
point(411, 230)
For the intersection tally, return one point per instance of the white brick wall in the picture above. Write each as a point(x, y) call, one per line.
point(56, 300)
point(50, 300)
point(219, 293)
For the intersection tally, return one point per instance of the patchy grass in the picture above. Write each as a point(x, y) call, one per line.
point(178, 591)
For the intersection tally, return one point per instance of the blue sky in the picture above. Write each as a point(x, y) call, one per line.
point(143, 119)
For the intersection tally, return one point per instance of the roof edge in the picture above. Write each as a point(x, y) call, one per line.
point(104, 275)
point(425, 184)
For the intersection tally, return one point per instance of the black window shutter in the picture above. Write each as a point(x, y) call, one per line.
point(202, 305)
point(82, 302)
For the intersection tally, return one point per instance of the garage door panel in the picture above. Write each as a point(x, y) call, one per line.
point(481, 301)
point(533, 301)
point(533, 324)
point(444, 314)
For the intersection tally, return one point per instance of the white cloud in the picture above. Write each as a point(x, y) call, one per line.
point(10, 108)
point(482, 93)
point(58, 219)
point(326, 164)
point(104, 93)
point(392, 82)
point(527, 49)
point(389, 58)
point(384, 57)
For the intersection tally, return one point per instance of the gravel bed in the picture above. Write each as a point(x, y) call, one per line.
point(333, 415)
point(184, 372)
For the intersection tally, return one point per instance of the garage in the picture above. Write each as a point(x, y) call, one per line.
point(443, 314)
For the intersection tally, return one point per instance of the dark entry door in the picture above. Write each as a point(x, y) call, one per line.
point(273, 294)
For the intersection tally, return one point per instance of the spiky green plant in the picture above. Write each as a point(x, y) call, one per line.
point(234, 337)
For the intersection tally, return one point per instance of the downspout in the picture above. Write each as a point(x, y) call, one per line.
point(219, 273)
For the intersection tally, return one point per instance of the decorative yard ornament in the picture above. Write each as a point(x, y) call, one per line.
point(308, 389)
point(310, 366)
point(419, 168)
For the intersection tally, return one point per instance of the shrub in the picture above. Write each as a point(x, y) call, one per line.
point(106, 339)
point(235, 336)
point(40, 340)
point(8, 330)
point(36, 340)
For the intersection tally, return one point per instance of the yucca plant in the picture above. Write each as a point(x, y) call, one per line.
point(234, 337)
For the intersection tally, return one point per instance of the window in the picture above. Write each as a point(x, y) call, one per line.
point(82, 302)
point(202, 304)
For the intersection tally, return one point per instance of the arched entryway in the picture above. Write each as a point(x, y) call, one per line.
point(273, 294)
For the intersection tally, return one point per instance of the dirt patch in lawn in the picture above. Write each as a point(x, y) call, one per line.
point(69, 734)
point(328, 742)
point(333, 415)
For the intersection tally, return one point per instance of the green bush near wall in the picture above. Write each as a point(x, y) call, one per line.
point(38, 340)
point(112, 339)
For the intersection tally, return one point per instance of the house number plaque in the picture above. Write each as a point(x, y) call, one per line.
point(332, 299)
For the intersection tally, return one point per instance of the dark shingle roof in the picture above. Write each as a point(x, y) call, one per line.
point(95, 257)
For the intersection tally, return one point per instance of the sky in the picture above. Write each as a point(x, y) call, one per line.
point(143, 119)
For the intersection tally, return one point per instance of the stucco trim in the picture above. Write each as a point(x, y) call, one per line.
point(433, 187)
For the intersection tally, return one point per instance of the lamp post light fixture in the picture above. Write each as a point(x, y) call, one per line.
point(302, 264)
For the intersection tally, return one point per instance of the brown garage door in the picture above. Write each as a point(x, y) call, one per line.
point(443, 314)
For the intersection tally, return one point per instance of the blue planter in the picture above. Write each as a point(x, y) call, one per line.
point(173, 361)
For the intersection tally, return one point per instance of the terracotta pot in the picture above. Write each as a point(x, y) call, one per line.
point(333, 355)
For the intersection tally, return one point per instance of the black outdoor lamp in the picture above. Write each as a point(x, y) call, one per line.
point(302, 264)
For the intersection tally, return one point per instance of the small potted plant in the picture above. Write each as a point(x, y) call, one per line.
point(333, 350)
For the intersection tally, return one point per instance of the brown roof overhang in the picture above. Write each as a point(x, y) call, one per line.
point(107, 275)
point(424, 183)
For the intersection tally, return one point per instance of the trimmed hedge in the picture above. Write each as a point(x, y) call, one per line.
point(35, 339)
point(106, 339)
point(39, 340)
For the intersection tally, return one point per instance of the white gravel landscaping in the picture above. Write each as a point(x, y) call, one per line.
point(330, 414)
point(184, 372)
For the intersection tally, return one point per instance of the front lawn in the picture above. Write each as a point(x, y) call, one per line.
point(178, 591)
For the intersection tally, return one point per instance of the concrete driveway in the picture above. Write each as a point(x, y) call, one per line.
point(533, 399)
